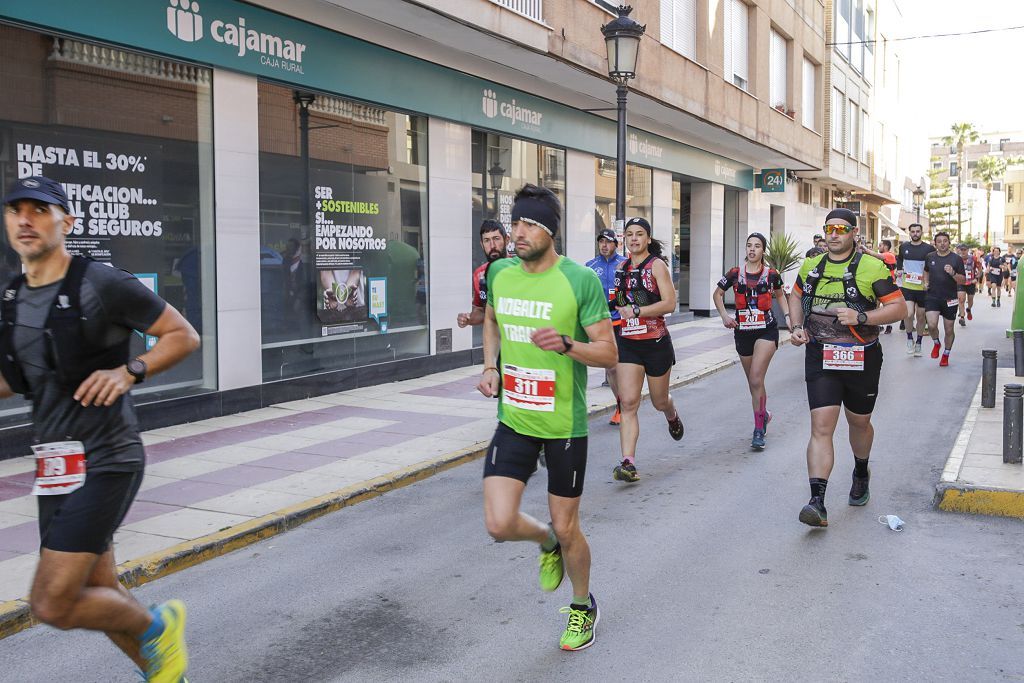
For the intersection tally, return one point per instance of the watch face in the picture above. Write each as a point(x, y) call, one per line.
point(136, 367)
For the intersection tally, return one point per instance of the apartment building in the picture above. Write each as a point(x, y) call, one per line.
point(982, 208)
point(1013, 185)
point(252, 161)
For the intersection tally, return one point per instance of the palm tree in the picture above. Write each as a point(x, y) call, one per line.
point(963, 134)
point(989, 171)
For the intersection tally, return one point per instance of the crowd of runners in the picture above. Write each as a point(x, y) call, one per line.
point(67, 321)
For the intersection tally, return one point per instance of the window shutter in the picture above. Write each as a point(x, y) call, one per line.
point(741, 18)
point(777, 68)
point(667, 24)
point(727, 30)
point(808, 102)
point(686, 27)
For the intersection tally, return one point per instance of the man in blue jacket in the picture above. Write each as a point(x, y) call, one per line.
point(605, 264)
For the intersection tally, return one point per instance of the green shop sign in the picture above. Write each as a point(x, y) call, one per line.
point(771, 180)
point(241, 37)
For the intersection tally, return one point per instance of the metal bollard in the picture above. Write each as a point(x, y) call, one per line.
point(988, 378)
point(1013, 420)
point(1018, 353)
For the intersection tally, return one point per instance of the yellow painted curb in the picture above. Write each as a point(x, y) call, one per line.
point(996, 502)
point(15, 615)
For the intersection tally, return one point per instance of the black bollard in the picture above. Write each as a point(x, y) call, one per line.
point(1013, 417)
point(1018, 353)
point(988, 378)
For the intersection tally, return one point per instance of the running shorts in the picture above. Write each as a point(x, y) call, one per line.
point(656, 355)
point(515, 455)
point(994, 280)
point(84, 521)
point(967, 289)
point(854, 389)
point(746, 339)
point(932, 303)
point(914, 296)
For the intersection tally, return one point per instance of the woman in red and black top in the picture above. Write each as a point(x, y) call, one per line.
point(643, 295)
point(755, 328)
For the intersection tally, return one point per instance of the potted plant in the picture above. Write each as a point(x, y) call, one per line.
point(783, 255)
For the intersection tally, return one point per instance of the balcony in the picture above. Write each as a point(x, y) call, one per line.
point(531, 9)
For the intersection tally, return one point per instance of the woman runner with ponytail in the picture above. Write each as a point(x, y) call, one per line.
point(643, 296)
point(755, 329)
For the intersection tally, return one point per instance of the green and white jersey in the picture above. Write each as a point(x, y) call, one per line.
point(544, 394)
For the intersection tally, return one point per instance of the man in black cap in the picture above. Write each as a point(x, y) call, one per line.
point(605, 264)
point(842, 298)
point(66, 328)
point(548, 318)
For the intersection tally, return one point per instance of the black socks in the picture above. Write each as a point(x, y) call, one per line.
point(860, 467)
point(818, 488)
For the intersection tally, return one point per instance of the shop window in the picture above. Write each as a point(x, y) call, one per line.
point(343, 281)
point(128, 135)
point(639, 201)
point(501, 165)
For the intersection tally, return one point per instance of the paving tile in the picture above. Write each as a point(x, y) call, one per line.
point(186, 523)
point(16, 466)
point(251, 502)
point(306, 484)
point(296, 462)
point(20, 538)
point(131, 545)
point(184, 468)
point(143, 509)
point(354, 470)
point(241, 476)
point(9, 519)
point(23, 505)
point(17, 576)
point(184, 493)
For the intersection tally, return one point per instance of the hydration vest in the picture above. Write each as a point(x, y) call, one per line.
point(852, 296)
point(71, 355)
point(638, 286)
point(759, 295)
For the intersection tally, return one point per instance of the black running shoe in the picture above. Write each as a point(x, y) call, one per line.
point(757, 443)
point(675, 427)
point(859, 492)
point(814, 514)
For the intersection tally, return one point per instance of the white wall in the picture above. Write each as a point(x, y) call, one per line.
point(451, 234)
point(236, 163)
point(707, 201)
point(578, 221)
point(664, 230)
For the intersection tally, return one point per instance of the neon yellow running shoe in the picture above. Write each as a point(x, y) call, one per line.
point(166, 654)
point(579, 632)
point(552, 569)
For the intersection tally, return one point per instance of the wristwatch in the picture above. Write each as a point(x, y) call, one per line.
point(862, 318)
point(567, 340)
point(136, 367)
point(636, 311)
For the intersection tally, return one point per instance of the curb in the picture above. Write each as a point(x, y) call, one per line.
point(15, 615)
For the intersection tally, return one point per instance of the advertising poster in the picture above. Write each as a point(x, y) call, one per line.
point(114, 186)
point(349, 250)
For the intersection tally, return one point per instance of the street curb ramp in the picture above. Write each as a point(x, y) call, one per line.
point(15, 615)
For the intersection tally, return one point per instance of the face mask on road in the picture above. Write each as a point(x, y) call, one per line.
point(894, 522)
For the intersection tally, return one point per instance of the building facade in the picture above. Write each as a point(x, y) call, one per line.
point(304, 180)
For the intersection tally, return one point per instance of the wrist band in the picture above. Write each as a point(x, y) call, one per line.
point(490, 367)
point(797, 327)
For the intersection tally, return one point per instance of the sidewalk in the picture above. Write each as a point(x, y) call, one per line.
point(975, 479)
point(217, 485)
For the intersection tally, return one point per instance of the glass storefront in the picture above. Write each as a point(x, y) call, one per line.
point(343, 228)
point(681, 239)
point(639, 197)
point(129, 137)
point(501, 165)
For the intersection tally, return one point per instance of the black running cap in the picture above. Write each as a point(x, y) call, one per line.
point(842, 214)
point(642, 222)
point(608, 234)
point(41, 189)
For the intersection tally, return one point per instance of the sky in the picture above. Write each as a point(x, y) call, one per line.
point(965, 78)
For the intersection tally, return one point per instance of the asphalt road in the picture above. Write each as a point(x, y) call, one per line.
point(701, 570)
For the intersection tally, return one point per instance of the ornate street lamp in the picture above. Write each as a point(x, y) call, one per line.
point(304, 100)
point(622, 39)
point(918, 201)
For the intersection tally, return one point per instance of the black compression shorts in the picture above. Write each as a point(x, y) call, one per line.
point(515, 455)
point(914, 296)
point(967, 289)
point(854, 389)
point(933, 303)
point(84, 521)
point(656, 355)
point(746, 339)
point(995, 280)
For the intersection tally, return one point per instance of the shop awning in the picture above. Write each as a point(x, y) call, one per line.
point(889, 229)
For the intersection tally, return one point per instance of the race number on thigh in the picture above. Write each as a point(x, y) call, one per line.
point(60, 468)
point(842, 357)
point(528, 388)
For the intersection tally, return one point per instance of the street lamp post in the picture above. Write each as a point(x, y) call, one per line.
point(622, 40)
point(304, 100)
point(918, 201)
point(496, 173)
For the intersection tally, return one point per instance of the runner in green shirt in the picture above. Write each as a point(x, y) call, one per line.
point(548, 318)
